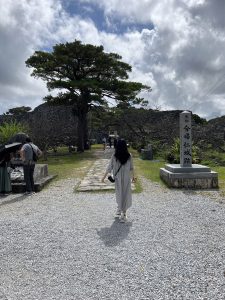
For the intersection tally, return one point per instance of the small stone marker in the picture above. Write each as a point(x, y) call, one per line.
point(147, 153)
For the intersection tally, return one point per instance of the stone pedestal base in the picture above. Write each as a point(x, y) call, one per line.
point(195, 177)
point(41, 178)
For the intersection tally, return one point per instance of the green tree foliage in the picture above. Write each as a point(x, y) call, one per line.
point(199, 120)
point(85, 77)
point(133, 124)
point(174, 154)
point(8, 129)
point(18, 111)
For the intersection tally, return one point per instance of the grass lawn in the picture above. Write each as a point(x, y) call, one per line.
point(69, 165)
point(221, 174)
point(147, 168)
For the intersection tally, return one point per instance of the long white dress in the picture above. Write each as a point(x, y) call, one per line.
point(122, 182)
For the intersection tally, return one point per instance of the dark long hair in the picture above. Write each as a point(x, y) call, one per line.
point(121, 152)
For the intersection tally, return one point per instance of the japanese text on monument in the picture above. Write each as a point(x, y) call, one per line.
point(185, 139)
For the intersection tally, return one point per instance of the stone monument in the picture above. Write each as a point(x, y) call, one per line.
point(147, 153)
point(186, 174)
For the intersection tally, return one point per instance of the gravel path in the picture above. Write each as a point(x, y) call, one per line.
point(61, 245)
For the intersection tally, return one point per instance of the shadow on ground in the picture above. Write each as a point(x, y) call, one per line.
point(115, 234)
point(10, 201)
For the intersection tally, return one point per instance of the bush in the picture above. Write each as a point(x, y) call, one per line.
point(199, 120)
point(170, 157)
point(173, 156)
point(7, 130)
point(137, 146)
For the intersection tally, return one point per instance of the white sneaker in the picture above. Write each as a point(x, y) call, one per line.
point(29, 193)
point(123, 218)
point(117, 214)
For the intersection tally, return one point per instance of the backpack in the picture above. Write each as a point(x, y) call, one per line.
point(35, 156)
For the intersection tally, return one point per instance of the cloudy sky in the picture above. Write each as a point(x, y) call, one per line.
point(175, 46)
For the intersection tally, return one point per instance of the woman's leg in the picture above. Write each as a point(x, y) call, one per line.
point(26, 171)
point(32, 176)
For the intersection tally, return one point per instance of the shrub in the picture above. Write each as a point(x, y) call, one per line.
point(7, 130)
point(173, 156)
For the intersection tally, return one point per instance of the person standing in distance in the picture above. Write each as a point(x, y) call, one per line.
point(27, 156)
point(104, 143)
point(5, 183)
point(121, 164)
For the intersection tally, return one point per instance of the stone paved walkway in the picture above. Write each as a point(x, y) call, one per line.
point(92, 180)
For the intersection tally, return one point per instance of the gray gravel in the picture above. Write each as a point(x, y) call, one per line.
point(63, 245)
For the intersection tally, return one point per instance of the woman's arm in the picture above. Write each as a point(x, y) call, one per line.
point(22, 154)
point(39, 152)
point(132, 169)
point(103, 178)
point(108, 169)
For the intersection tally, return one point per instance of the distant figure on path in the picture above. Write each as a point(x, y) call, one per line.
point(104, 143)
point(115, 143)
point(121, 165)
point(27, 156)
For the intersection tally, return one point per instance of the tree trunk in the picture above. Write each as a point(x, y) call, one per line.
point(81, 111)
point(81, 130)
point(86, 143)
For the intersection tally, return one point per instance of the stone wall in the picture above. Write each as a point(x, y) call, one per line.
point(164, 126)
point(50, 125)
point(54, 125)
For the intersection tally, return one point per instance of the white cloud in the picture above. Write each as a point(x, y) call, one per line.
point(184, 51)
point(26, 26)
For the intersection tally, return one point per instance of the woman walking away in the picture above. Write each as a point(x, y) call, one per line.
point(121, 165)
